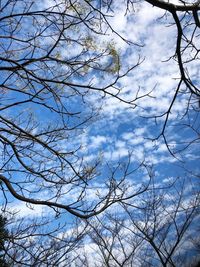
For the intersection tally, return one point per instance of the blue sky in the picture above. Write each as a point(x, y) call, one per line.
point(119, 128)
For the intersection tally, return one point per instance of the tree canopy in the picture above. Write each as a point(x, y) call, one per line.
point(3, 238)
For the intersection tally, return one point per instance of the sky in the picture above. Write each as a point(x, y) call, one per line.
point(122, 129)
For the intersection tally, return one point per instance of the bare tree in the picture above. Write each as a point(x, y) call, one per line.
point(112, 244)
point(50, 55)
point(154, 231)
point(164, 222)
point(36, 242)
point(56, 68)
point(183, 16)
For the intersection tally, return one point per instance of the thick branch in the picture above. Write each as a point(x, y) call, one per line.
point(172, 7)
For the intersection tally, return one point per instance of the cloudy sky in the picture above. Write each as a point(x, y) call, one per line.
point(121, 129)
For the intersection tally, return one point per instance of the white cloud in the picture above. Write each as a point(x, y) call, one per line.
point(28, 210)
point(96, 141)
